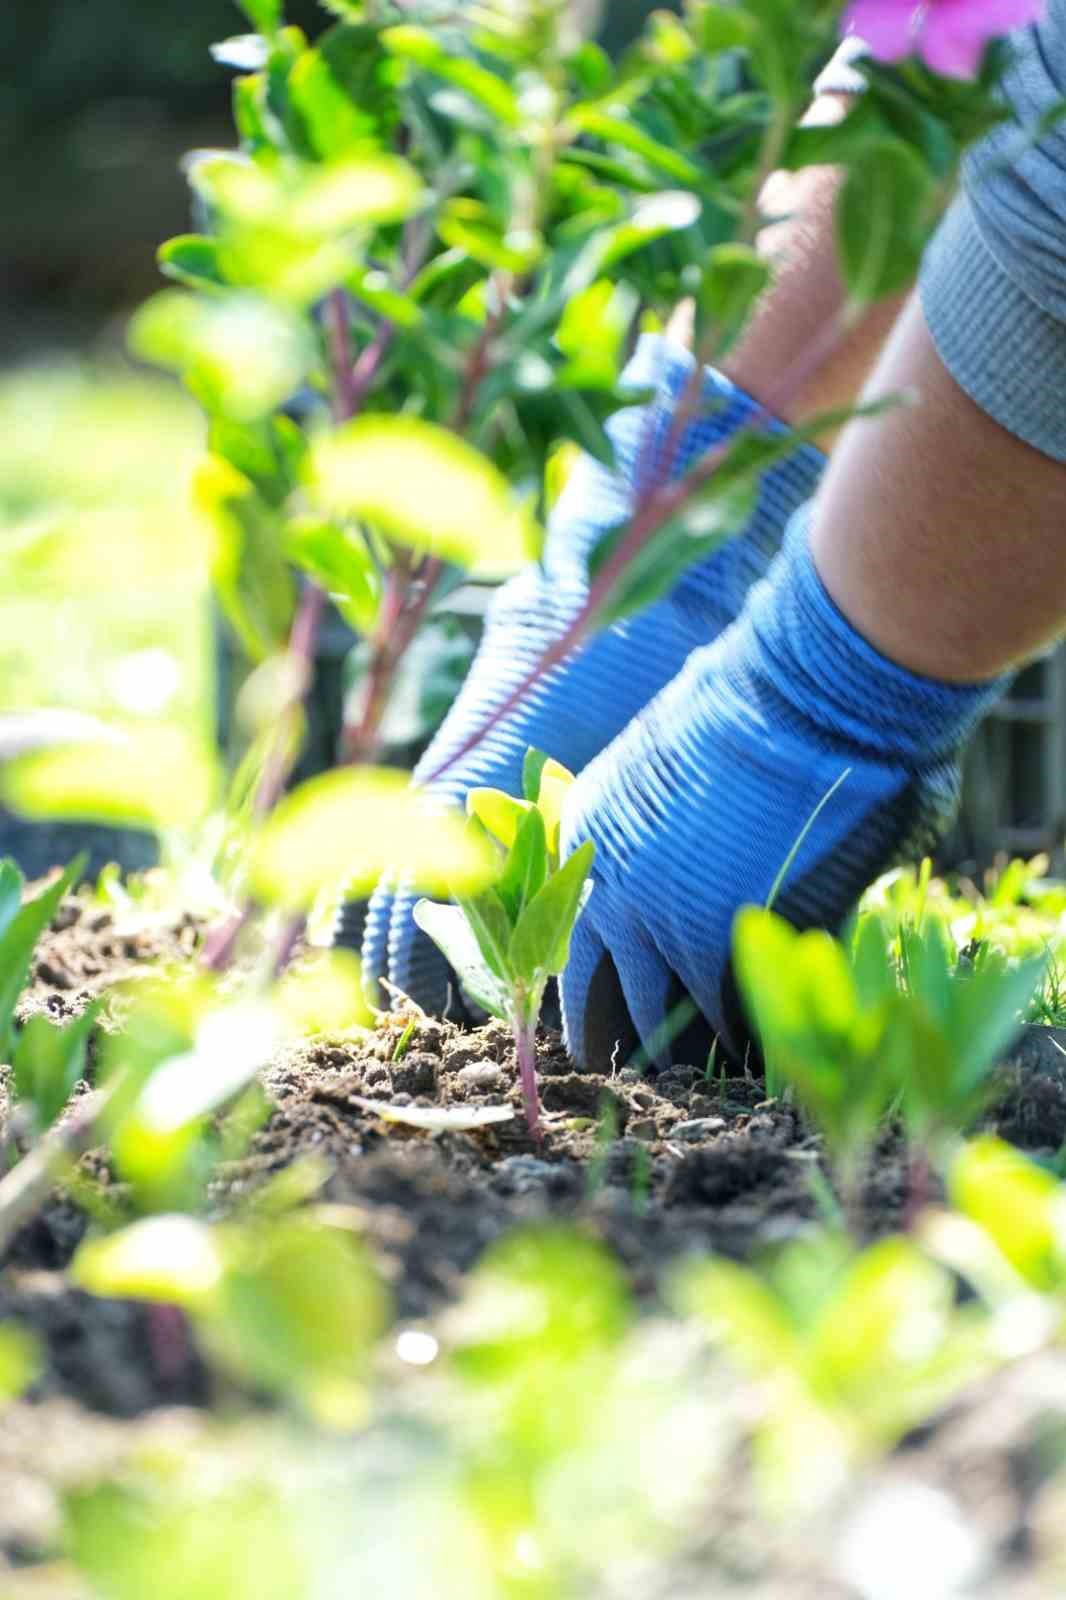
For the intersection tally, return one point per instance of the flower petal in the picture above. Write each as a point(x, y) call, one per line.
point(954, 33)
point(885, 26)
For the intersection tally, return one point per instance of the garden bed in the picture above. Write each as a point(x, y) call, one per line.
point(657, 1170)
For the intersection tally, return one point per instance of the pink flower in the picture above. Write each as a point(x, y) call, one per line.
point(949, 35)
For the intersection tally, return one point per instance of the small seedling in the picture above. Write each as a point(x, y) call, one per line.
point(506, 942)
point(855, 1032)
point(48, 1062)
point(955, 1023)
point(822, 1017)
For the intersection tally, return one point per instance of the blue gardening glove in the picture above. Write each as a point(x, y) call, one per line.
point(577, 709)
point(695, 809)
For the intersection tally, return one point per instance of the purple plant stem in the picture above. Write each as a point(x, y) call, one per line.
point(169, 1340)
point(525, 1038)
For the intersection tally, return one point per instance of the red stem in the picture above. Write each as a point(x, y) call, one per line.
point(658, 505)
point(525, 1038)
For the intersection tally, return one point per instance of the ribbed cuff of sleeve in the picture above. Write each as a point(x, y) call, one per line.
point(1005, 351)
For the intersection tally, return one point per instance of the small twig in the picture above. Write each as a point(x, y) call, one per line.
point(406, 599)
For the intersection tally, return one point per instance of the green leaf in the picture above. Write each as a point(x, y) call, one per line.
point(294, 230)
point(451, 932)
point(499, 813)
point(193, 259)
point(264, 15)
point(339, 560)
point(20, 1361)
point(469, 225)
point(173, 1259)
point(252, 579)
point(272, 1325)
point(144, 774)
point(1021, 1207)
point(49, 1060)
point(12, 884)
point(418, 46)
point(359, 825)
point(733, 278)
point(341, 94)
point(652, 218)
point(884, 214)
point(722, 27)
point(532, 768)
point(377, 294)
point(526, 868)
point(620, 130)
point(421, 485)
point(556, 781)
point(541, 941)
point(488, 917)
point(269, 454)
point(592, 334)
point(19, 940)
point(238, 354)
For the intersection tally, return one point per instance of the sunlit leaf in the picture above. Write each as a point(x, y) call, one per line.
point(174, 1259)
point(556, 782)
point(425, 487)
point(262, 14)
point(297, 1311)
point(360, 825)
point(238, 354)
point(500, 813)
point(20, 1361)
point(323, 994)
point(340, 561)
point(155, 776)
point(1019, 1205)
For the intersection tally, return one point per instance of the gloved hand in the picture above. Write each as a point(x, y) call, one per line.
point(695, 808)
point(577, 709)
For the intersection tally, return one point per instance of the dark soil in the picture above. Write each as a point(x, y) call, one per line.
point(656, 1169)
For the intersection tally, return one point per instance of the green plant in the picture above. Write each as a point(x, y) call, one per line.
point(822, 1015)
point(850, 1349)
point(49, 1059)
point(253, 1290)
point(1005, 1233)
point(506, 942)
point(855, 1032)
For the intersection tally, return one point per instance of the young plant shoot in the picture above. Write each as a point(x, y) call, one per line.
point(506, 942)
point(856, 1032)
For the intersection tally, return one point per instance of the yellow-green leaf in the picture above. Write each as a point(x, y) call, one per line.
point(361, 825)
point(500, 813)
point(555, 782)
point(423, 486)
point(157, 776)
point(171, 1258)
